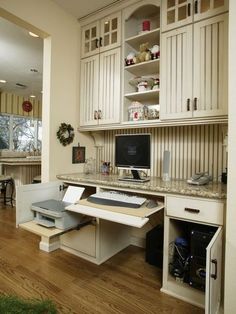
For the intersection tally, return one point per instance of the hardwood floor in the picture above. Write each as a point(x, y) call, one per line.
point(123, 284)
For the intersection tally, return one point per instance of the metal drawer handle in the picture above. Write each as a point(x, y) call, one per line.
point(214, 276)
point(188, 104)
point(192, 210)
point(189, 9)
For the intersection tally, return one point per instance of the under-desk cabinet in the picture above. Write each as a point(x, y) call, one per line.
point(193, 251)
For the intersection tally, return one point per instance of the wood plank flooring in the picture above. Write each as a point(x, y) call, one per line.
point(123, 284)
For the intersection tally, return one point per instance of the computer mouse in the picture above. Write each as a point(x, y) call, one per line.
point(151, 204)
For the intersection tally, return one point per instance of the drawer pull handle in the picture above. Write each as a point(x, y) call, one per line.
point(214, 276)
point(192, 210)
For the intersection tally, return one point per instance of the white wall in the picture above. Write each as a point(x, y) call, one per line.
point(230, 258)
point(61, 86)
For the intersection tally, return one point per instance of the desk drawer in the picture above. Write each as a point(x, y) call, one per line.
point(195, 209)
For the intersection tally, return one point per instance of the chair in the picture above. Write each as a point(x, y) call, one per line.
point(5, 182)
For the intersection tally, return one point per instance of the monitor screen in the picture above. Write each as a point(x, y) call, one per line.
point(132, 151)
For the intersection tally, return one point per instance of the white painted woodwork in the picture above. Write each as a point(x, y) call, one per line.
point(89, 90)
point(213, 286)
point(209, 8)
point(210, 66)
point(109, 88)
point(205, 211)
point(31, 193)
point(175, 14)
point(192, 149)
point(90, 39)
point(128, 220)
point(180, 13)
point(176, 74)
point(102, 35)
point(100, 88)
point(83, 240)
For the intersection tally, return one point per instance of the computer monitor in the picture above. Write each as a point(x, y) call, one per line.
point(132, 151)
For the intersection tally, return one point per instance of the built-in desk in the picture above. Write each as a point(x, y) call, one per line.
point(111, 229)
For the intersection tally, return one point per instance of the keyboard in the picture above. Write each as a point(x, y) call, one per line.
point(114, 198)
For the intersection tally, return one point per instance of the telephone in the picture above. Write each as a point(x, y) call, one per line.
point(200, 178)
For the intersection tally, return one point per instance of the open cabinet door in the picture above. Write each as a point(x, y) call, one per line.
point(31, 193)
point(213, 273)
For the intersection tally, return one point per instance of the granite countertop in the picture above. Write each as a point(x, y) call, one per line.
point(212, 190)
point(15, 161)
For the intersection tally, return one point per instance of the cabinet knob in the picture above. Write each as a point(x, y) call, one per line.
point(95, 115)
point(196, 7)
point(192, 210)
point(188, 104)
point(195, 103)
point(189, 9)
point(99, 114)
point(214, 276)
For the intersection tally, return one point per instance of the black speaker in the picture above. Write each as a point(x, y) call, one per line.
point(154, 246)
point(199, 240)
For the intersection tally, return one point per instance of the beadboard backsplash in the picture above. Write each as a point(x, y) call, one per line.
point(192, 149)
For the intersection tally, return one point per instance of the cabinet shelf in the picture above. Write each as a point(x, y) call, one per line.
point(144, 96)
point(152, 37)
point(147, 67)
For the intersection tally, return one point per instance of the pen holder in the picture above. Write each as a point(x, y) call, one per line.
point(106, 167)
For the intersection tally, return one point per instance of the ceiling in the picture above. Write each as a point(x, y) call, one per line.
point(21, 53)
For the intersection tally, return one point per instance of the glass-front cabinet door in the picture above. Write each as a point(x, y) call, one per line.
point(110, 32)
point(90, 39)
point(208, 8)
point(176, 13)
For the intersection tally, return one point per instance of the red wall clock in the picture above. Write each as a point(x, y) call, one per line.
point(27, 106)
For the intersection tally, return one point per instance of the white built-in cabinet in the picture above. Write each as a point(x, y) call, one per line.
point(184, 213)
point(100, 72)
point(194, 70)
point(177, 13)
point(133, 17)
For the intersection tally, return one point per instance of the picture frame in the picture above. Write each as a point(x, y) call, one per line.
point(78, 155)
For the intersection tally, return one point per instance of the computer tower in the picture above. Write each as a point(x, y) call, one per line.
point(154, 246)
point(199, 240)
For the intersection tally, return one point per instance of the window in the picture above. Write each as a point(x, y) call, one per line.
point(20, 133)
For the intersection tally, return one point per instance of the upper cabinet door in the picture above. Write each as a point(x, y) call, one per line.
point(208, 8)
point(176, 74)
point(109, 90)
point(110, 32)
point(89, 85)
point(210, 67)
point(90, 39)
point(176, 13)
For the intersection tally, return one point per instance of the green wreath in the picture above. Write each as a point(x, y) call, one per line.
point(65, 134)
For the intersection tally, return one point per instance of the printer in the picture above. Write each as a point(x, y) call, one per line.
point(53, 213)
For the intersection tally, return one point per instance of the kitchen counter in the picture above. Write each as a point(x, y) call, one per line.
point(212, 190)
point(20, 161)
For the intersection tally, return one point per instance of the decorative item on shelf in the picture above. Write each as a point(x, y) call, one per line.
point(142, 83)
point(153, 112)
point(78, 155)
point(156, 83)
point(106, 167)
point(130, 59)
point(144, 53)
point(27, 106)
point(155, 52)
point(65, 134)
point(89, 166)
point(136, 111)
point(145, 27)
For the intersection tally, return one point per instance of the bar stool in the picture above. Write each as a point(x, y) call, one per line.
point(6, 181)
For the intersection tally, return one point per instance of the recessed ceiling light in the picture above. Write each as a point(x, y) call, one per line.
point(33, 35)
point(32, 96)
point(3, 81)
